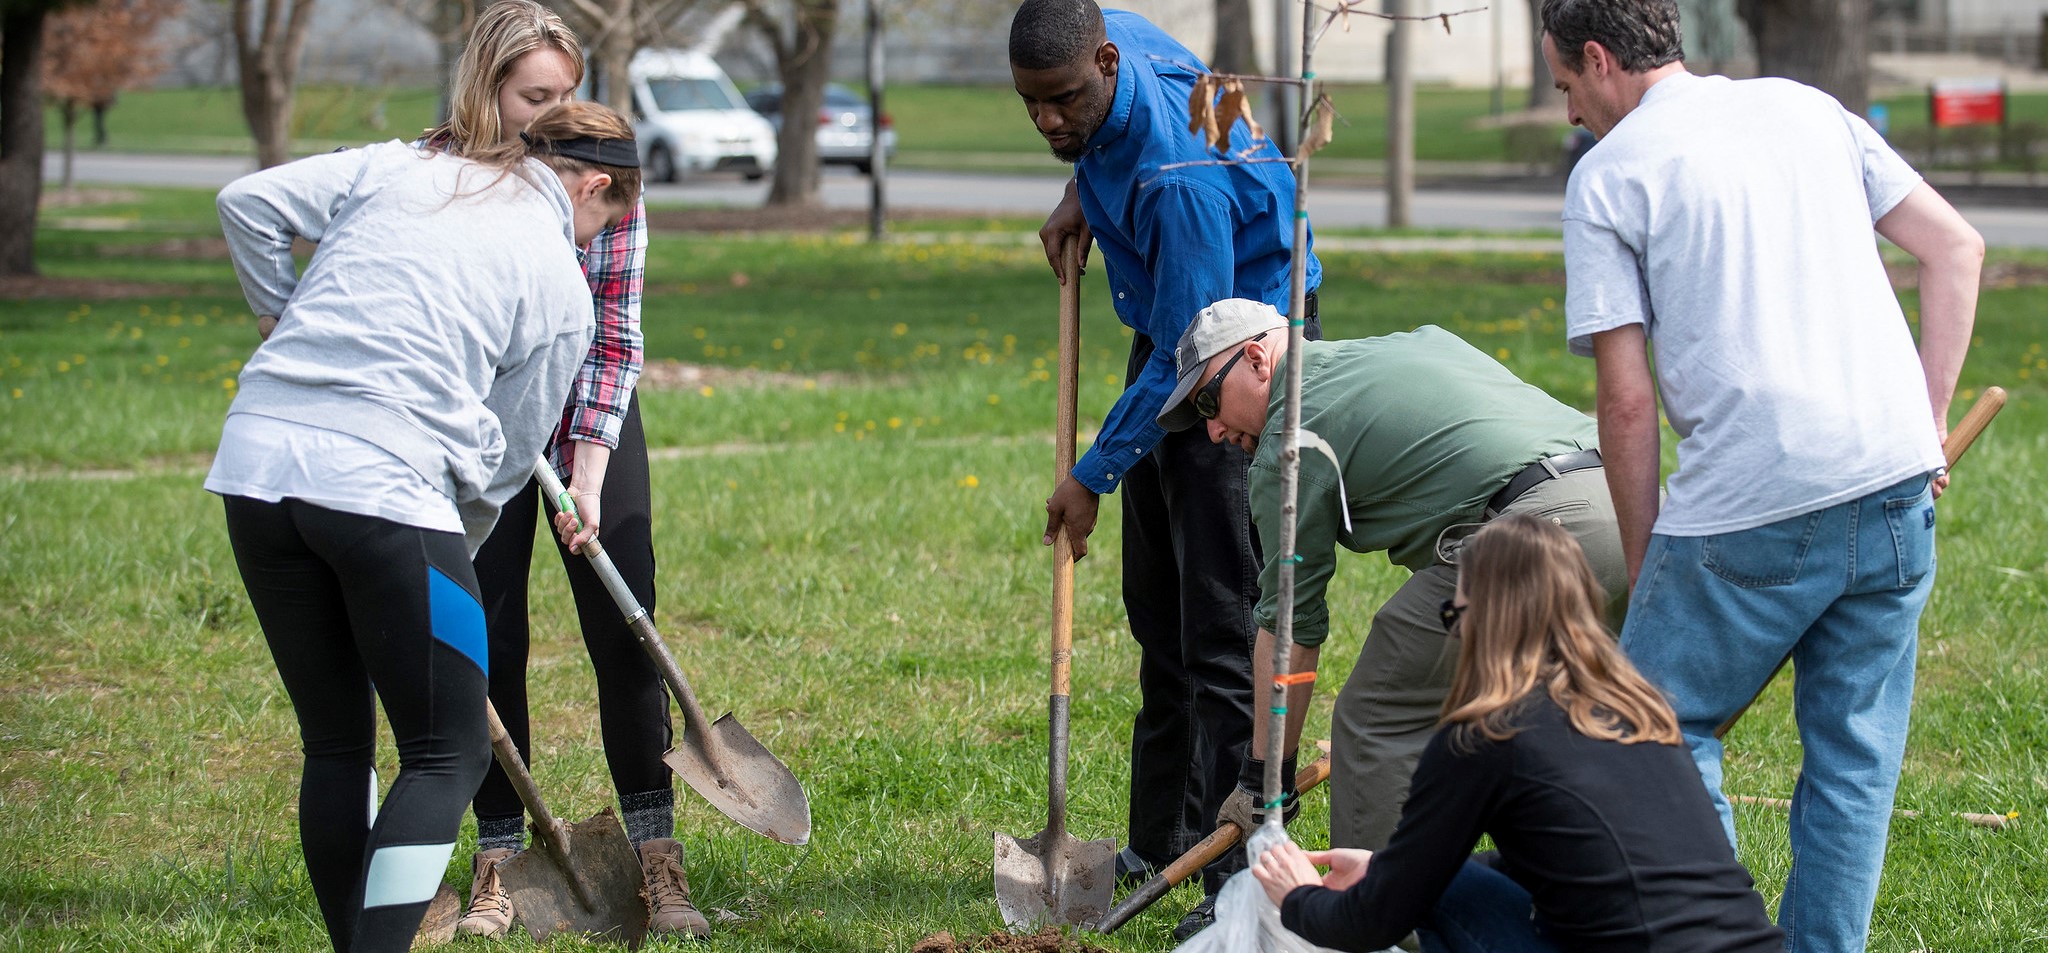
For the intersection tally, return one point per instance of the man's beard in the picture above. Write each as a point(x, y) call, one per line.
point(1080, 149)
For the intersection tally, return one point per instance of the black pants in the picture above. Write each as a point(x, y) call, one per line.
point(632, 703)
point(1191, 579)
point(357, 610)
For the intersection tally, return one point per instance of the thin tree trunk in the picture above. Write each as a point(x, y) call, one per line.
point(269, 63)
point(1823, 43)
point(1235, 50)
point(1543, 93)
point(21, 135)
point(69, 110)
point(99, 124)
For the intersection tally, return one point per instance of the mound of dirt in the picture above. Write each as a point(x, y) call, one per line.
point(1048, 940)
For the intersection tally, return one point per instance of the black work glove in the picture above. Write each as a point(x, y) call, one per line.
point(1243, 808)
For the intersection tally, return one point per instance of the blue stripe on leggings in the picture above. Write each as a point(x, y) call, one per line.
point(405, 873)
point(458, 618)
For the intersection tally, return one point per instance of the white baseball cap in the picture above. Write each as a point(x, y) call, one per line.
point(1218, 328)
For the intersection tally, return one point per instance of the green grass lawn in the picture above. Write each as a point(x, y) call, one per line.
point(848, 526)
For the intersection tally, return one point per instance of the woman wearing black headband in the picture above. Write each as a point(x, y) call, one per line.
point(521, 59)
point(407, 381)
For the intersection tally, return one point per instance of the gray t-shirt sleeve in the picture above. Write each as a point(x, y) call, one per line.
point(1604, 287)
point(1887, 177)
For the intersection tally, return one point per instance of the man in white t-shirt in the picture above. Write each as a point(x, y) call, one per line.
point(1725, 229)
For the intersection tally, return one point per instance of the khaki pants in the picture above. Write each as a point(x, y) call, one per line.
point(1389, 706)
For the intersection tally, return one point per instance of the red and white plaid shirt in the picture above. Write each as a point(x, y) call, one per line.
point(616, 264)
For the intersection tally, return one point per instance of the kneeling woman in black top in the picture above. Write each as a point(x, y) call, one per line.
point(1554, 746)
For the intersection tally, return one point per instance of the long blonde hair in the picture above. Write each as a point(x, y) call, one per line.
point(507, 30)
point(1534, 620)
point(560, 123)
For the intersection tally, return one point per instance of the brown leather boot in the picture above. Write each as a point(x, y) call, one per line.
point(490, 907)
point(668, 891)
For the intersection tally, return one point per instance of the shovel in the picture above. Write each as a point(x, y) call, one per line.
point(575, 878)
point(1199, 856)
point(720, 760)
point(1050, 877)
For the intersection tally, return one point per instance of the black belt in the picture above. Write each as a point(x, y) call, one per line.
point(1548, 468)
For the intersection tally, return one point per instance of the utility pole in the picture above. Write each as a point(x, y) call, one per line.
point(1400, 115)
point(878, 154)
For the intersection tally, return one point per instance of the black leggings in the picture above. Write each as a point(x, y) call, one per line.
point(632, 703)
point(357, 610)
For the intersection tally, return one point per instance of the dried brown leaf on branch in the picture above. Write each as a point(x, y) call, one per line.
point(1321, 127)
point(1447, 22)
point(1227, 112)
point(1202, 103)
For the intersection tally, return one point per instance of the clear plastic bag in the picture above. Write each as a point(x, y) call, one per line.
point(1246, 920)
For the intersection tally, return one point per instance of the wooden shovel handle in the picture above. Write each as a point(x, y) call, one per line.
point(1973, 423)
point(544, 823)
point(1063, 464)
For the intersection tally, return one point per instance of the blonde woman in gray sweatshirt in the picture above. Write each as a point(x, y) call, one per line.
point(415, 371)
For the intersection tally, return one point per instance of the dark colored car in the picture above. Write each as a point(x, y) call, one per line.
point(845, 124)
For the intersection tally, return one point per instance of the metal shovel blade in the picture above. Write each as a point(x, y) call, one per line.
point(744, 781)
point(601, 862)
point(1065, 881)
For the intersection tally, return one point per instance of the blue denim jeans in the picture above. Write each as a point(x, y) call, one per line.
point(1483, 911)
point(1840, 590)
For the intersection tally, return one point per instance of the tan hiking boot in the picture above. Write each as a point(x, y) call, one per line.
point(490, 907)
point(668, 891)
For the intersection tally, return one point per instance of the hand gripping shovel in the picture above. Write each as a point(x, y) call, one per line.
point(720, 760)
point(1050, 877)
point(1226, 836)
point(575, 878)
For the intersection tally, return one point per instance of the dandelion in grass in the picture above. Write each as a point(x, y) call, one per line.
point(900, 329)
point(839, 427)
point(1501, 355)
point(706, 390)
point(969, 481)
point(994, 399)
point(895, 422)
point(17, 393)
point(732, 484)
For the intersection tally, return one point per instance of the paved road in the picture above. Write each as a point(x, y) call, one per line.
point(997, 194)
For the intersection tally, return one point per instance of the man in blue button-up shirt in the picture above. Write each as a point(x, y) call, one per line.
point(1109, 92)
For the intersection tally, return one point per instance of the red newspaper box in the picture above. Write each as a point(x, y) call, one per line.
point(1967, 102)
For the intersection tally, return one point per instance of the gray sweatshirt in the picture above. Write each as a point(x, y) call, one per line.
point(442, 318)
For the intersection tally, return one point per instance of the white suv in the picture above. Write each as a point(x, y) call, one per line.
point(689, 119)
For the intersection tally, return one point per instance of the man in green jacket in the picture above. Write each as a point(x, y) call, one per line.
point(1423, 438)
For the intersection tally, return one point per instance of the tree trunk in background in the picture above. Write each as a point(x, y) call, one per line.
point(614, 55)
point(803, 61)
point(68, 110)
point(1235, 51)
point(1823, 43)
point(268, 54)
point(1543, 93)
point(450, 22)
point(21, 135)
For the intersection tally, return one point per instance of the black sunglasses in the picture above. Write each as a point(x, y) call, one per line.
point(1207, 399)
point(1450, 611)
